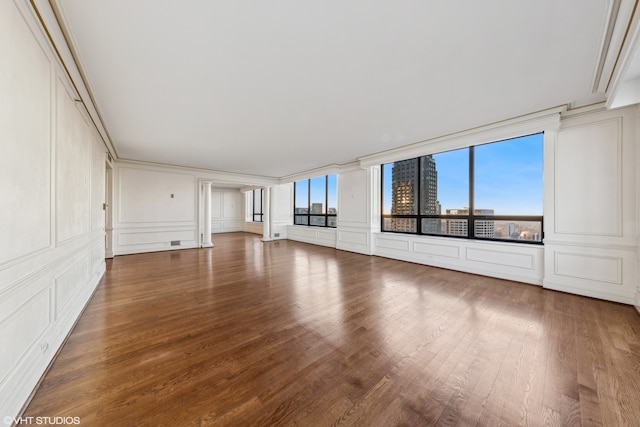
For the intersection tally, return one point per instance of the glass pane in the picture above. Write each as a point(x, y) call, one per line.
point(257, 218)
point(332, 221)
point(456, 227)
point(508, 176)
point(318, 220)
point(518, 230)
point(407, 225)
point(318, 194)
point(301, 220)
point(444, 182)
point(400, 187)
point(332, 194)
point(484, 228)
point(302, 197)
point(257, 201)
point(386, 188)
point(434, 226)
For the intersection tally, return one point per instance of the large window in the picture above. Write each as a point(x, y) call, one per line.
point(258, 204)
point(316, 201)
point(491, 191)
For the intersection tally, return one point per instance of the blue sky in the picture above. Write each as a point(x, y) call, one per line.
point(508, 177)
point(317, 191)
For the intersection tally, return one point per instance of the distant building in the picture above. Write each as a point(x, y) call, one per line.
point(404, 190)
point(459, 227)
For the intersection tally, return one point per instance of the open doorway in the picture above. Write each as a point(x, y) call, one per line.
point(108, 217)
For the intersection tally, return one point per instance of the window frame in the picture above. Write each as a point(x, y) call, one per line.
point(470, 218)
point(308, 215)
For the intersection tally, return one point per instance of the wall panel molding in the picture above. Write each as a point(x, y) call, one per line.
point(314, 235)
point(25, 173)
point(589, 267)
point(511, 261)
point(589, 150)
point(31, 319)
point(501, 257)
point(437, 249)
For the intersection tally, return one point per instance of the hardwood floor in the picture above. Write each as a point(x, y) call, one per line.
point(285, 333)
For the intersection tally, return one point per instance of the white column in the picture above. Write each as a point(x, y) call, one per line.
point(266, 215)
point(206, 236)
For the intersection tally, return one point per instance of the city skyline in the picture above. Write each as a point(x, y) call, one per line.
point(508, 177)
point(317, 190)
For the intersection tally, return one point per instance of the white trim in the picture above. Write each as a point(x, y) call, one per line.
point(520, 126)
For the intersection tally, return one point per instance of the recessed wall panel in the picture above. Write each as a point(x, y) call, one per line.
point(282, 206)
point(25, 136)
point(149, 196)
point(588, 193)
point(505, 258)
point(398, 245)
point(68, 282)
point(352, 206)
point(21, 330)
point(73, 169)
point(232, 205)
point(439, 250)
point(597, 268)
point(353, 237)
point(150, 237)
point(216, 204)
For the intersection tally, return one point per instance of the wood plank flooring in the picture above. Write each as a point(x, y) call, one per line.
point(285, 333)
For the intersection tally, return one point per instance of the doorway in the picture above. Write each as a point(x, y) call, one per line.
point(108, 217)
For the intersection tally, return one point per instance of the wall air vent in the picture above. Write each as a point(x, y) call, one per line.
point(175, 243)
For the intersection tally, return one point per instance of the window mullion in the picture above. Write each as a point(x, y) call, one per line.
point(419, 196)
point(471, 220)
point(326, 200)
point(309, 201)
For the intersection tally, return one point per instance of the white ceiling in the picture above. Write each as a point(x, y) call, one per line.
point(279, 87)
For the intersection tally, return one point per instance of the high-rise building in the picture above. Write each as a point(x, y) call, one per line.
point(404, 187)
point(317, 208)
point(404, 190)
point(459, 227)
point(429, 204)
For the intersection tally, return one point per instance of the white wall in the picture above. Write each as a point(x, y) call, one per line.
point(315, 235)
point(147, 218)
point(226, 210)
point(637, 182)
point(591, 212)
point(154, 206)
point(358, 209)
point(590, 205)
point(281, 213)
point(52, 181)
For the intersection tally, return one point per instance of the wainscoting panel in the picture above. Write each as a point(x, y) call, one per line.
point(22, 329)
point(502, 257)
point(314, 235)
point(511, 261)
point(395, 244)
point(599, 272)
point(598, 268)
point(438, 250)
point(68, 282)
point(146, 240)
